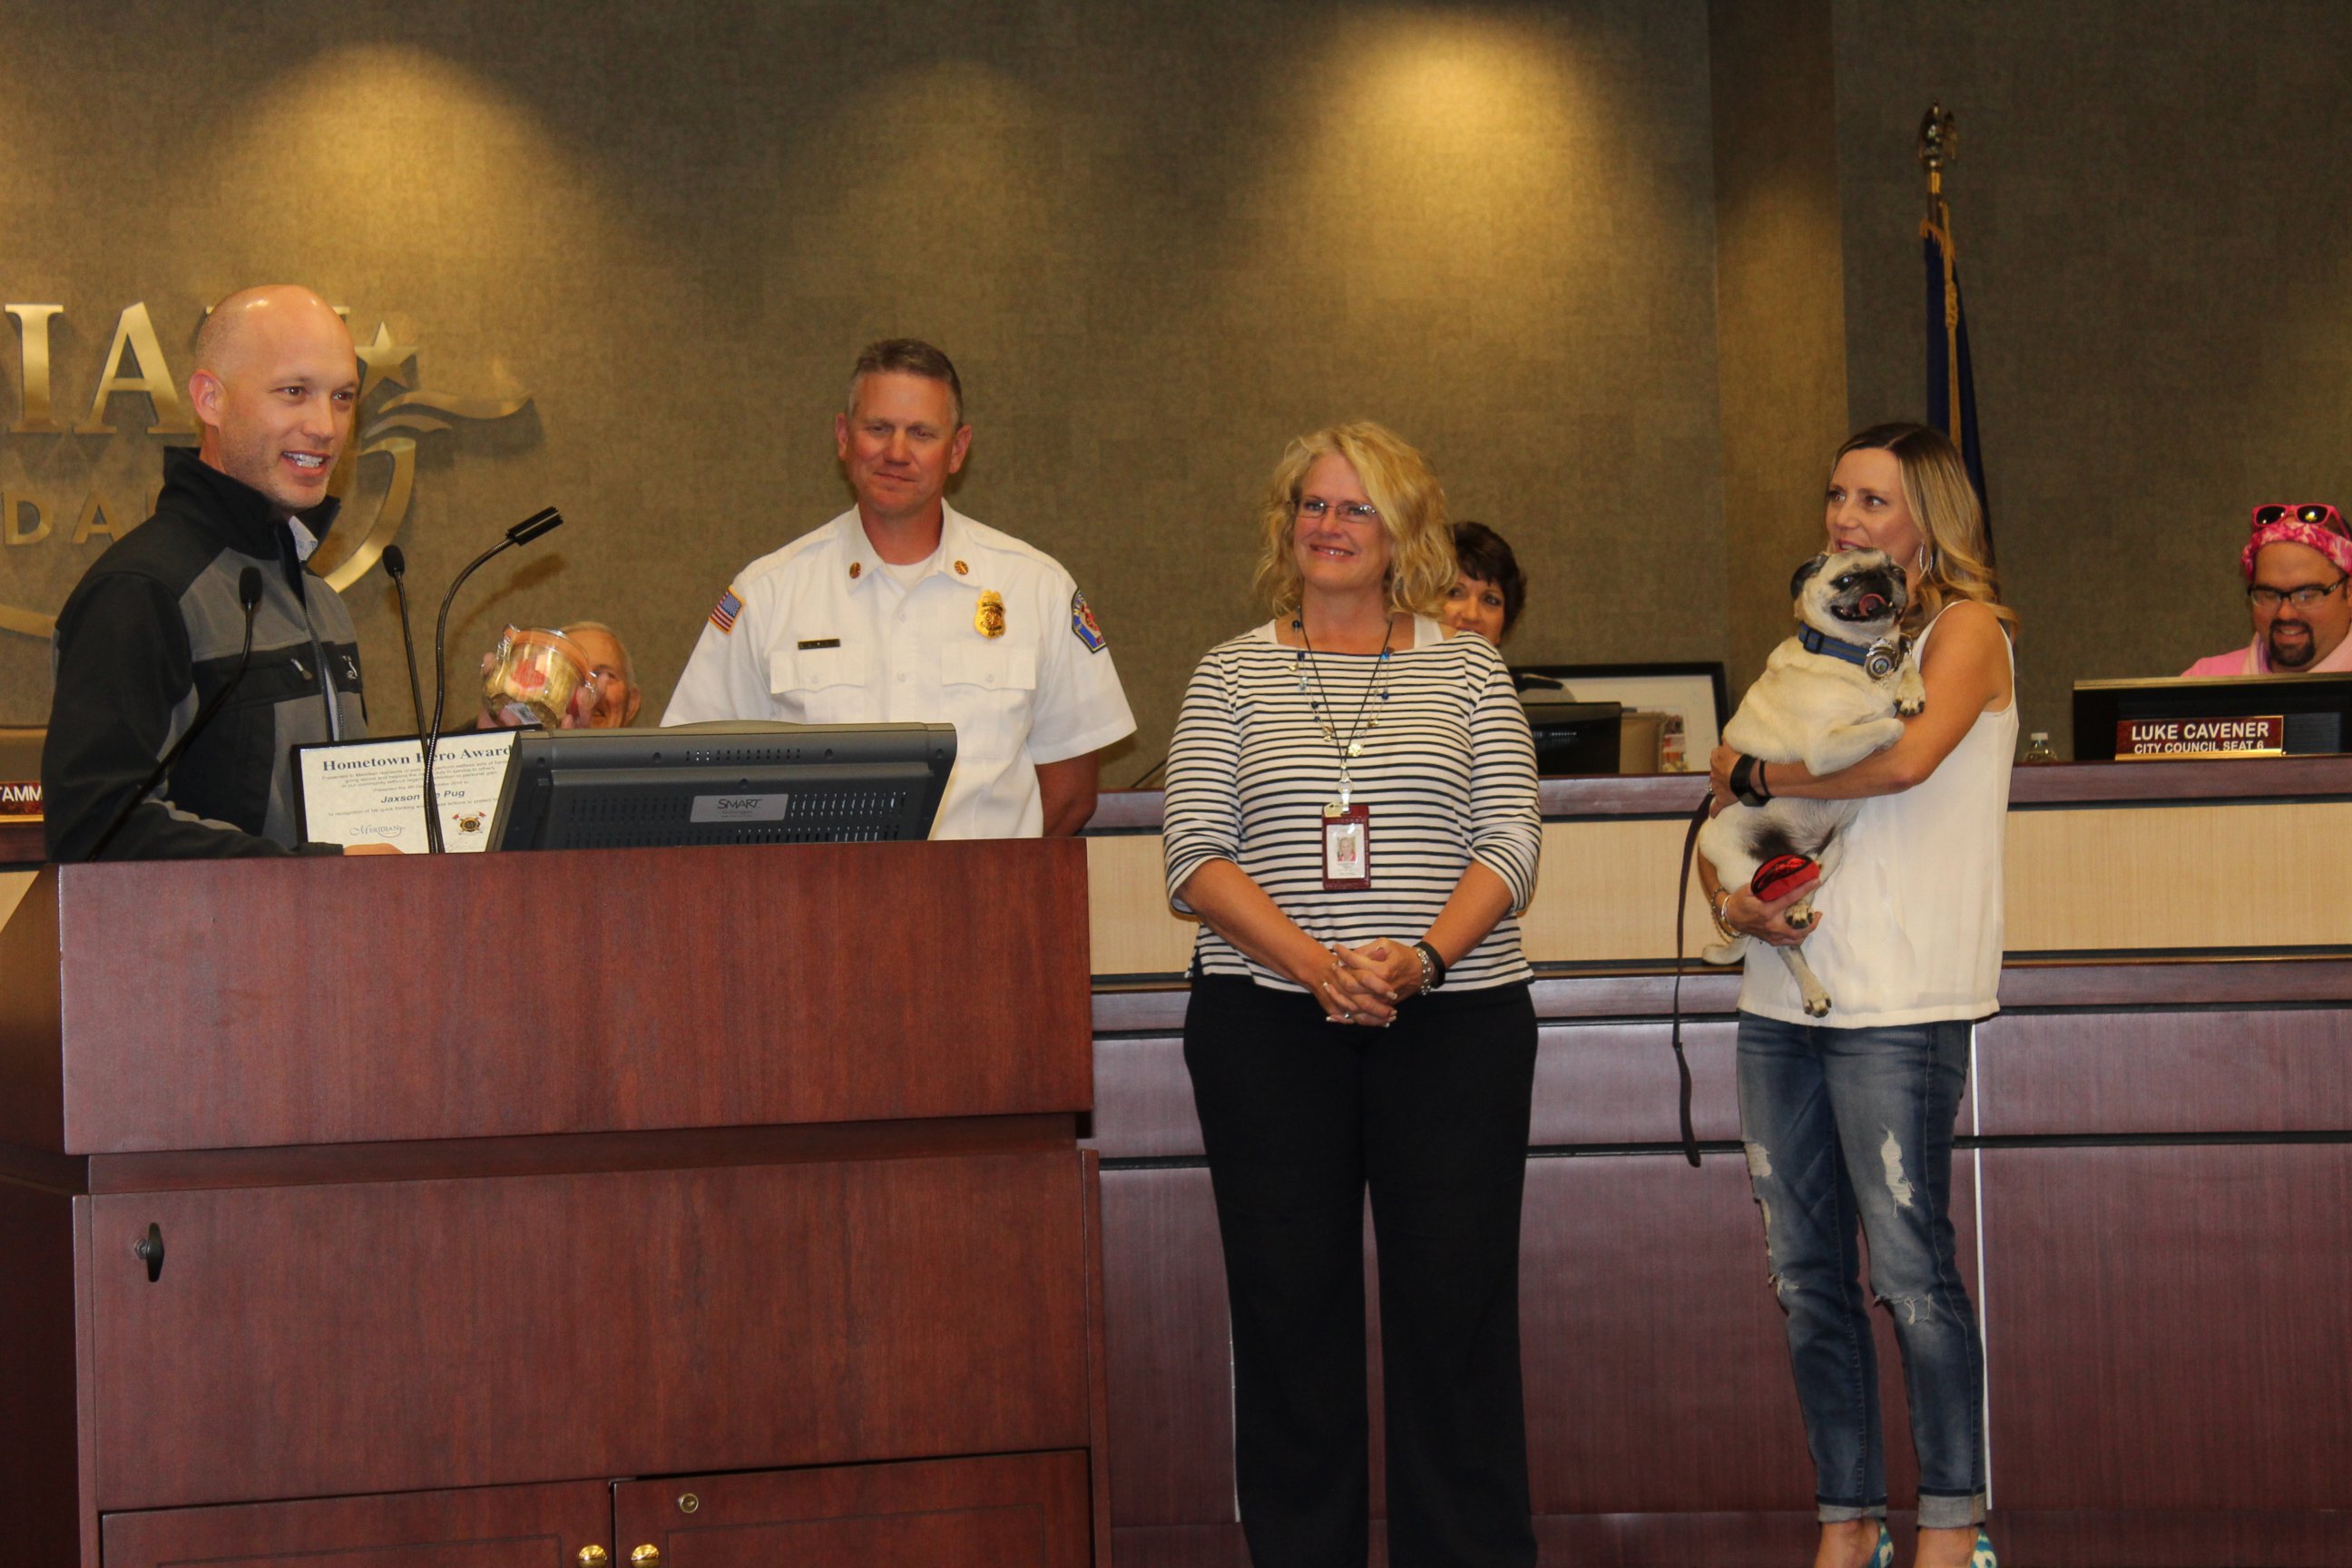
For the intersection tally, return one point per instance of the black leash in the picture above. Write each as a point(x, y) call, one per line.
point(1682, 905)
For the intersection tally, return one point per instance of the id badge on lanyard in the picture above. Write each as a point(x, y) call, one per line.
point(1347, 847)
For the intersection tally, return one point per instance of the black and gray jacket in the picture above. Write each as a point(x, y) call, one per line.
point(150, 634)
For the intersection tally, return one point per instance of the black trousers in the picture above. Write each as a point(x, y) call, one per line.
point(1300, 1117)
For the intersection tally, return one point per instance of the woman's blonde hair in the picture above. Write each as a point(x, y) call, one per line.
point(1957, 561)
point(1411, 503)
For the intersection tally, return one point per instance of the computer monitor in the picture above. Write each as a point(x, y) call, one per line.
point(728, 783)
point(2299, 715)
point(1574, 737)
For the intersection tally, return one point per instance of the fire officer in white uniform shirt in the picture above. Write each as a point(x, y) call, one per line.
point(902, 609)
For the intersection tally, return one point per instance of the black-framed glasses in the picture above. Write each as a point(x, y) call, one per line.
point(2317, 514)
point(1315, 508)
point(2302, 598)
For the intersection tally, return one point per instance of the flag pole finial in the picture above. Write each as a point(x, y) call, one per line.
point(1939, 145)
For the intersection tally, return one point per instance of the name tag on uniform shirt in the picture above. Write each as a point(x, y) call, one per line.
point(808, 643)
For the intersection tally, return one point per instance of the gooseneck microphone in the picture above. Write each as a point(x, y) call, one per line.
point(546, 520)
point(248, 595)
point(395, 566)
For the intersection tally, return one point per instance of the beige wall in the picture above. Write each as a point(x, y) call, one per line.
point(1780, 306)
point(2150, 203)
point(1159, 239)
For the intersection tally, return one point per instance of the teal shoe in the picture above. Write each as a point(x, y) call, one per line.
point(1884, 1556)
point(1982, 1557)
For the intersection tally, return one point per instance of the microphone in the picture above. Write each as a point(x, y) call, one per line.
point(544, 521)
point(248, 595)
point(395, 566)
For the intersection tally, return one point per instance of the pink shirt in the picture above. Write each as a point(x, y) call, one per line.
point(2254, 660)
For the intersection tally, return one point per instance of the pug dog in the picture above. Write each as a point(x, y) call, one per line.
point(1829, 696)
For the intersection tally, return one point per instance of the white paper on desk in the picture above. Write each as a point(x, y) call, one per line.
point(372, 792)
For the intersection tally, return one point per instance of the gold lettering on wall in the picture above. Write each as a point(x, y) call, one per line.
point(33, 331)
point(134, 335)
point(93, 520)
point(395, 413)
point(12, 528)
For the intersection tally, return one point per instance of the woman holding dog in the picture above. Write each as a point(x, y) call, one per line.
point(1848, 1121)
point(1352, 814)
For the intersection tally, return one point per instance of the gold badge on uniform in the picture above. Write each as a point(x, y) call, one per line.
point(989, 619)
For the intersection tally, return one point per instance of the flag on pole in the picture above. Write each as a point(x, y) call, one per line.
point(1951, 375)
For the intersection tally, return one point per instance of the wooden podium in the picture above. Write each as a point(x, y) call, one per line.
point(703, 1208)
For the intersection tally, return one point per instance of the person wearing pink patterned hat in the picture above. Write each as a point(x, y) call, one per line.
point(2296, 562)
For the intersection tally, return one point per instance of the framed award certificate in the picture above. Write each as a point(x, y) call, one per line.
point(372, 792)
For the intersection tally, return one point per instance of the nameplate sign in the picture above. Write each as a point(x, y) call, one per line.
point(2175, 740)
point(20, 798)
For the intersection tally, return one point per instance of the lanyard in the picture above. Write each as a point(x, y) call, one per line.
point(1350, 747)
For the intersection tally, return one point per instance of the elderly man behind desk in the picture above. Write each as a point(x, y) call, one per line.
point(612, 674)
point(608, 697)
point(2296, 562)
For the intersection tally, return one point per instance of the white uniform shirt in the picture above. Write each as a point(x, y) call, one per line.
point(817, 632)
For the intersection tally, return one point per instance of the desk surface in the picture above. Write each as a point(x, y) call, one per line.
point(2050, 785)
point(2104, 860)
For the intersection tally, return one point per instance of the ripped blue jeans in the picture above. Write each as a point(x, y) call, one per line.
point(1847, 1127)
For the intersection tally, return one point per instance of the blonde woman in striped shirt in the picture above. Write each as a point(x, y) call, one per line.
point(1351, 816)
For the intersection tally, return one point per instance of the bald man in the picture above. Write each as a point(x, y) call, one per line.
point(610, 671)
point(154, 630)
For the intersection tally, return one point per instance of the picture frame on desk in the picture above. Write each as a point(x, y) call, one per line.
point(1694, 691)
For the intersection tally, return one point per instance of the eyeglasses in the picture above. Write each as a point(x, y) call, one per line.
point(2317, 514)
point(2302, 598)
point(1313, 508)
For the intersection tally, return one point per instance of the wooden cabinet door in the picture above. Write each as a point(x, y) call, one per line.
point(1017, 1511)
point(494, 1527)
point(407, 1336)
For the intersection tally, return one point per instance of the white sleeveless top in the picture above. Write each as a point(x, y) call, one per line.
point(1911, 926)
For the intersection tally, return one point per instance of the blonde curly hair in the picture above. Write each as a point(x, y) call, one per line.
point(1408, 497)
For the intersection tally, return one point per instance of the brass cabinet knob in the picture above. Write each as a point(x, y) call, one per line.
point(593, 1557)
point(646, 1556)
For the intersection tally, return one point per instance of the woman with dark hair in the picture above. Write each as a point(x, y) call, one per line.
point(1489, 591)
point(1848, 1119)
point(1352, 814)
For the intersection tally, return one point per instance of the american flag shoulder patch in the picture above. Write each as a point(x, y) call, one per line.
point(730, 605)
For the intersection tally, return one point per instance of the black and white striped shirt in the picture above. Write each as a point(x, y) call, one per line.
point(1448, 771)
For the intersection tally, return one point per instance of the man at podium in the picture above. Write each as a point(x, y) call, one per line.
point(2295, 562)
point(157, 628)
point(904, 610)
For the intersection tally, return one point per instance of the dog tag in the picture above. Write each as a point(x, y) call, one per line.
point(1347, 849)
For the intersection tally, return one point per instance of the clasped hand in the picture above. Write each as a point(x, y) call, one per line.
point(1364, 984)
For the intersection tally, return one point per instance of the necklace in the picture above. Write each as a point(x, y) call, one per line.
point(1348, 747)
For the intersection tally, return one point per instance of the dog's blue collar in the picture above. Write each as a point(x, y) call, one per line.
point(1876, 660)
point(1816, 641)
